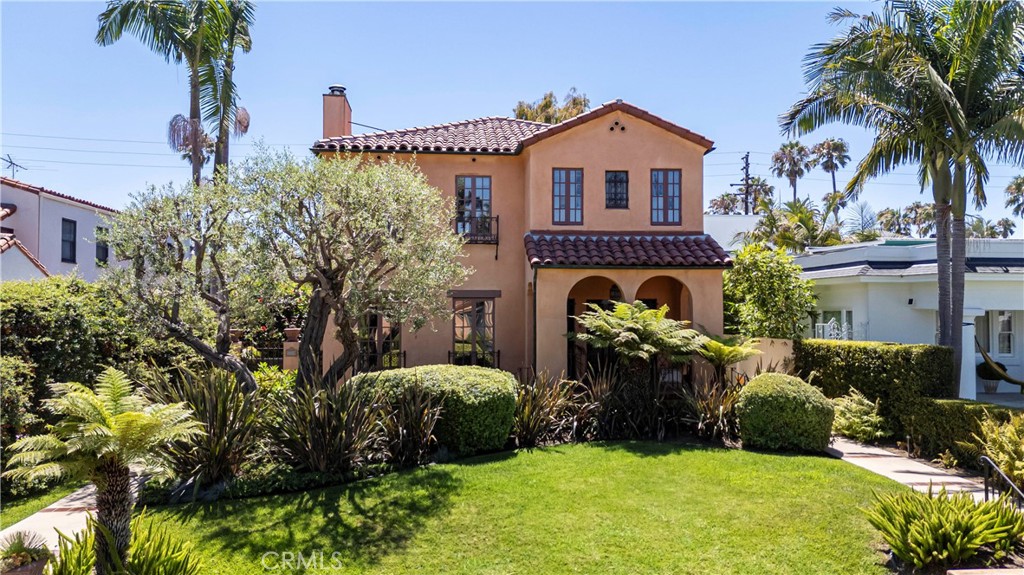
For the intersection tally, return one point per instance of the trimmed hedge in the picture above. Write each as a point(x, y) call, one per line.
point(935, 425)
point(478, 403)
point(777, 411)
point(897, 375)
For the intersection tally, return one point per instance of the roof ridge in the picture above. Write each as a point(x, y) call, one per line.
point(39, 189)
point(435, 126)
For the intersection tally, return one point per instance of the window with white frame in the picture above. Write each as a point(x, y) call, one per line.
point(1004, 332)
point(835, 324)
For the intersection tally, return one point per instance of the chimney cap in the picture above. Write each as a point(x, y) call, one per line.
point(336, 89)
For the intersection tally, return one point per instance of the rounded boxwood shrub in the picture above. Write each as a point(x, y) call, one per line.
point(777, 411)
point(478, 403)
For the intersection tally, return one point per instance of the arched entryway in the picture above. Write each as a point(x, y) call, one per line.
point(665, 290)
point(597, 290)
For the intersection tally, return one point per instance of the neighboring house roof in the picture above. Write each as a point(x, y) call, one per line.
point(493, 135)
point(623, 250)
point(6, 210)
point(40, 190)
point(889, 269)
point(8, 241)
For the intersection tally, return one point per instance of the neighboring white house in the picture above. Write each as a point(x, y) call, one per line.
point(888, 291)
point(16, 262)
point(59, 231)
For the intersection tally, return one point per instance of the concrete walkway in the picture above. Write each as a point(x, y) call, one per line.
point(67, 515)
point(903, 469)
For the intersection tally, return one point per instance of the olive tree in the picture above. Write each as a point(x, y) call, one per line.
point(364, 236)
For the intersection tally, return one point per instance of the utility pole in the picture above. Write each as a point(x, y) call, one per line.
point(12, 166)
point(745, 184)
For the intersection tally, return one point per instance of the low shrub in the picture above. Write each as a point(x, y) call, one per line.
point(477, 403)
point(21, 548)
point(935, 425)
point(153, 551)
point(778, 411)
point(944, 529)
point(327, 427)
point(1003, 443)
point(409, 421)
point(895, 375)
point(710, 404)
point(857, 417)
point(229, 416)
point(543, 411)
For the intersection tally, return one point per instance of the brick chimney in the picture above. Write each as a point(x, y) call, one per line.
point(337, 112)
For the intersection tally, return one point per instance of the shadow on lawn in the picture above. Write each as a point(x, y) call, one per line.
point(646, 448)
point(362, 521)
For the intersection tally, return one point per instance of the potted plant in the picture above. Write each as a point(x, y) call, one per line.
point(988, 376)
point(24, 553)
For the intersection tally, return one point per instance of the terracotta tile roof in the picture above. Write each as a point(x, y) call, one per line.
point(6, 210)
point(40, 190)
point(494, 135)
point(624, 250)
point(8, 241)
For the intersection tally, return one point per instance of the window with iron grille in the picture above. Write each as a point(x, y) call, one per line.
point(380, 344)
point(616, 190)
point(473, 206)
point(665, 200)
point(567, 196)
point(473, 332)
point(68, 240)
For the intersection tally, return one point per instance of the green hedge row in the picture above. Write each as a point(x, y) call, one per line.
point(898, 375)
point(478, 403)
point(935, 425)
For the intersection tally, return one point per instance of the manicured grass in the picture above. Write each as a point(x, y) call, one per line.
point(600, 508)
point(14, 510)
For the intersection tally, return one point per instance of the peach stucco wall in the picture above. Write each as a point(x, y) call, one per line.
point(596, 148)
point(521, 198)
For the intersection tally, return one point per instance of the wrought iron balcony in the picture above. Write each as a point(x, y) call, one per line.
point(482, 359)
point(368, 362)
point(478, 229)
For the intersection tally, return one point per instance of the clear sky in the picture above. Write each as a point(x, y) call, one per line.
point(91, 121)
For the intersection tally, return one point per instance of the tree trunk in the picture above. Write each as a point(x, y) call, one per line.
point(220, 160)
point(224, 361)
point(958, 265)
point(312, 340)
point(113, 512)
point(942, 257)
point(195, 126)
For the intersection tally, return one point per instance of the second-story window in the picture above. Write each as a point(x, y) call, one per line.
point(102, 249)
point(68, 240)
point(665, 200)
point(473, 207)
point(567, 196)
point(616, 190)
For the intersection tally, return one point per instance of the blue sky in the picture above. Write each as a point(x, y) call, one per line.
point(724, 70)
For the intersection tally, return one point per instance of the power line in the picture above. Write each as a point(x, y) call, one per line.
point(165, 154)
point(100, 164)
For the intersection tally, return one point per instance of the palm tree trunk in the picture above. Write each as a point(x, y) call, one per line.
point(195, 126)
point(793, 182)
point(114, 513)
point(220, 160)
point(958, 265)
point(942, 258)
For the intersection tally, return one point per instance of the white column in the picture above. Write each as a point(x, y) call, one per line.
point(968, 362)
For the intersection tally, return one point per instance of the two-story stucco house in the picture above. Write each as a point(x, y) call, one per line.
point(606, 206)
point(51, 229)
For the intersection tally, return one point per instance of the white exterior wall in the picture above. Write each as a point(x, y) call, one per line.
point(37, 225)
point(15, 265)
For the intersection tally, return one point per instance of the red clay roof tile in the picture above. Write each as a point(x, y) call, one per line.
point(40, 190)
point(625, 250)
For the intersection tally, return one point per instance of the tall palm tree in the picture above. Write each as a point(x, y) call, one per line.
point(219, 93)
point(795, 227)
point(861, 223)
point(1005, 227)
point(181, 31)
point(982, 228)
point(922, 217)
point(942, 86)
point(1015, 196)
point(792, 161)
point(832, 154)
point(894, 221)
point(99, 436)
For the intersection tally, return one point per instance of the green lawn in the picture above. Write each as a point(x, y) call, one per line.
point(14, 510)
point(599, 508)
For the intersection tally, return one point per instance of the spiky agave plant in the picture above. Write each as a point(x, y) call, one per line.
point(100, 434)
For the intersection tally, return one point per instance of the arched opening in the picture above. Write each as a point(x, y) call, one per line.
point(596, 290)
point(665, 290)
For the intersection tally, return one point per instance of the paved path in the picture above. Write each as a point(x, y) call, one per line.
point(68, 515)
point(903, 469)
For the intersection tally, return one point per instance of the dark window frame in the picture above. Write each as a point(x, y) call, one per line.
point(380, 342)
point(664, 211)
point(467, 216)
point(102, 248)
point(71, 243)
point(567, 196)
point(618, 194)
point(475, 303)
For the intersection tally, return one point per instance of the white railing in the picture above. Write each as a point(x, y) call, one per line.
point(833, 330)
